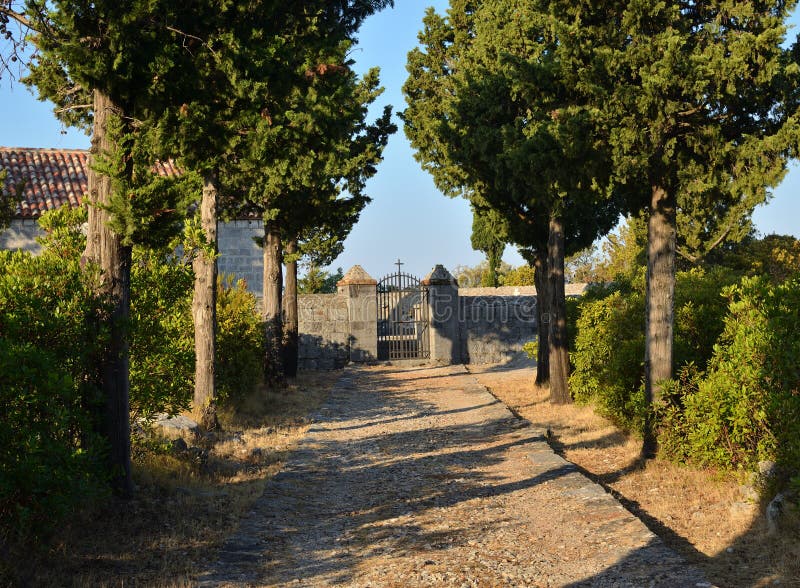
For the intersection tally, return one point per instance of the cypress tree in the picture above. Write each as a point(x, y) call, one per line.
point(700, 103)
point(96, 61)
point(489, 110)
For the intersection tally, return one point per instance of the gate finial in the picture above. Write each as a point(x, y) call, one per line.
point(398, 263)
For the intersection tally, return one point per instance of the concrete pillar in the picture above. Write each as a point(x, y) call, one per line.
point(443, 314)
point(360, 290)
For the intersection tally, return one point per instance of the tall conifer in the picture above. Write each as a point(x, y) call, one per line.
point(699, 100)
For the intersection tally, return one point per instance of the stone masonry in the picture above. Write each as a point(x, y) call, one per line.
point(239, 255)
point(468, 325)
point(339, 328)
point(493, 329)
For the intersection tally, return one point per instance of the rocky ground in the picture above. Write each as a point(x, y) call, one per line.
point(419, 477)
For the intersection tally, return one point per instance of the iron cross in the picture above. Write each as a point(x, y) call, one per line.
point(398, 263)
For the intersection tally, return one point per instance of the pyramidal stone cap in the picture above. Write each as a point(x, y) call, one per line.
point(439, 276)
point(357, 276)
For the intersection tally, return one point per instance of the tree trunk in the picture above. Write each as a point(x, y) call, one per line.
point(273, 368)
point(557, 336)
point(105, 248)
point(661, 237)
point(543, 318)
point(204, 310)
point(290, 316)
point(494, 259)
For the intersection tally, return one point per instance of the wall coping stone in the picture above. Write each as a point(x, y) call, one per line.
point(570, 290)
point(439, 276)
point(357, 276)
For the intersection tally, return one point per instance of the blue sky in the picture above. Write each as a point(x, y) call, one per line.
point(408, 218)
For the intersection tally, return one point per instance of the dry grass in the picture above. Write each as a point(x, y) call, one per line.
point(184, 505)
point(700, 513)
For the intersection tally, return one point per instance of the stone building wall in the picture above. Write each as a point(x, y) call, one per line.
point(493, 328)
point(324, 331)
point(21, 234)
point(239, 255)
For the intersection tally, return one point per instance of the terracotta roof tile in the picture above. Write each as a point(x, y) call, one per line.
point(52, 177)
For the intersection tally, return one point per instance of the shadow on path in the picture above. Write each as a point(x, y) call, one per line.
point(387, 453)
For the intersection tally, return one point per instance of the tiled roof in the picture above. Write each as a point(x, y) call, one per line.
point(52, 177)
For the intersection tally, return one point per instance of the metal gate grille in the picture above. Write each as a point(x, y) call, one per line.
point(402, 318)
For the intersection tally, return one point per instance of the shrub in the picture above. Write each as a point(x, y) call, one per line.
point(162, 334)
point(162, 337)
point(240, 340)
point(50, 455)
point(608, 355)
point(747, 407)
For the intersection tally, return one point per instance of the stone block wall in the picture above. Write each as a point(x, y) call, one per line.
point(21, 234)
point(324, 331)
point(493, 329)
point(238, 253)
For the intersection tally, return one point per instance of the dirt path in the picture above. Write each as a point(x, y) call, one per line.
point(420, 477)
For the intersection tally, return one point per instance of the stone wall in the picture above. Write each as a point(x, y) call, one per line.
point(493, 328)
point(239, 255)
point(21, 234)
point(324, 331)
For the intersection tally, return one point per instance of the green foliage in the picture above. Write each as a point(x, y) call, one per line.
point(609, 339)
point(8, 201)
point(746, 407)
point(480, 275)
point(162, 340)
point(51, 456)
point(489, 236)
point(608, 357)
point(492, 119)
point(470, 276)
point(776, 257)
point(240, 341)
point(51, 461)
point(63, 232)
point(162, 336)
point(519, 276)
point(318, 281)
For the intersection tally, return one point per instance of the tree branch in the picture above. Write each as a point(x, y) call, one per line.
point(193, 37)
point(17, 16)
point(73, 107)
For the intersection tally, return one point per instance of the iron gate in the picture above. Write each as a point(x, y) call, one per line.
point(402, 318)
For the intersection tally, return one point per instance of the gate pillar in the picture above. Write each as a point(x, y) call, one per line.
point(443, 310)
point(360, 289)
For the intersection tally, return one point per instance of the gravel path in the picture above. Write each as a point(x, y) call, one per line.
point(420, 477)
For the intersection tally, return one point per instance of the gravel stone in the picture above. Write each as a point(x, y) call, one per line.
point(420, 477)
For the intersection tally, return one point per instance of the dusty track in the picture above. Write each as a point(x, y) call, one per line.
point(420, 477)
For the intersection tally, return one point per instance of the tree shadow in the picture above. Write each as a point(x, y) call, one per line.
point(377, 483)
point(374, 485)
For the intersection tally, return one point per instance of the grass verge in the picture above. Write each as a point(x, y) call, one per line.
point(700, 513)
